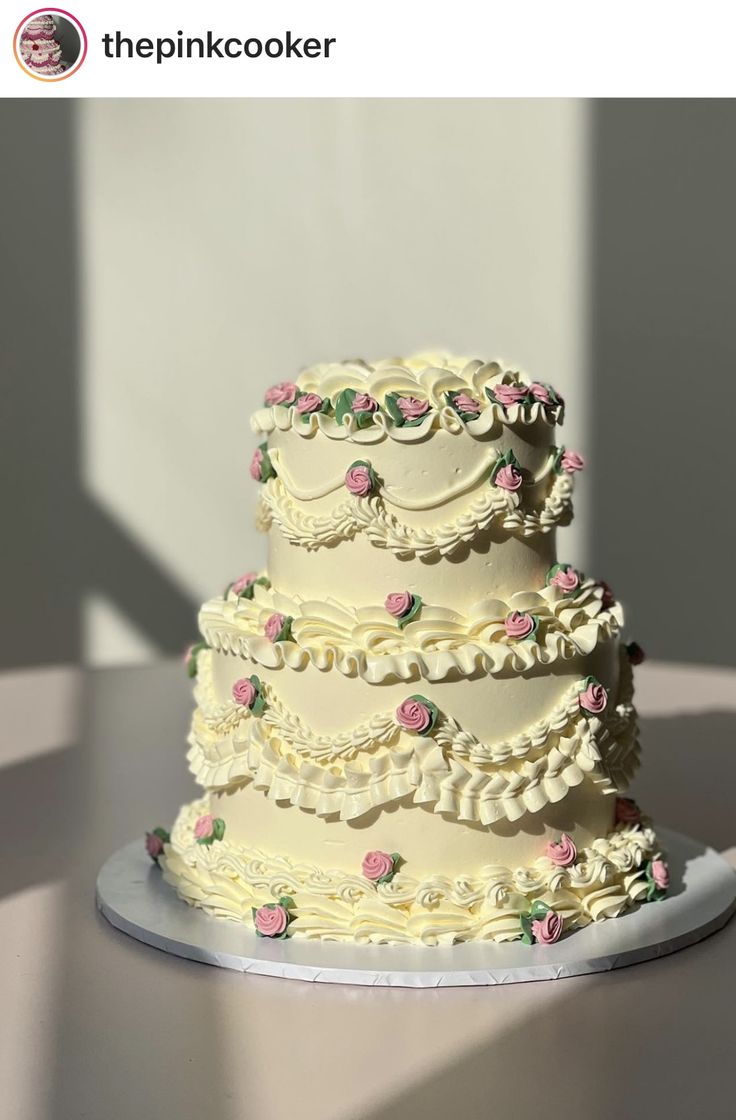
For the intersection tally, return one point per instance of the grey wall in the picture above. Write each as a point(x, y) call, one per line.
point(663, 267)
point(662, 177)
point(57, 543)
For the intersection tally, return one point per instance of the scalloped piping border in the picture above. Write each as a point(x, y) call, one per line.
point(227, 880)
point(445, 769)
point(370, 516)
point(235, 626)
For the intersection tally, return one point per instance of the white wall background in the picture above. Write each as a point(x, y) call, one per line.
point(225, 244)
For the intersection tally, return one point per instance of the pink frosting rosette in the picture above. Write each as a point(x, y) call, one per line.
point(548, 929)
point(271, 920)
point(566, 579)
point(242, 582)
point(627, 811)
point(245, 692)
point(377, 865)
point(277, 626)
point(562, 852)
point(518, 624)
point(283, 393)
point(660, 874)
point(570, 461)
point(155, 843)
point(508, 478)
point(256, 465)
point(359, 479)
point(463, 402)
point(508, 395)
point(417, 714)
point(309, 402)
point(399, 603)
point(540, 392)
point(411, 408)
point(593, 698)
point(204, 827)
point(364, 403)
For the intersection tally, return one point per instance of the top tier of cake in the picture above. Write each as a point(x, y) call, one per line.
point(432, 460)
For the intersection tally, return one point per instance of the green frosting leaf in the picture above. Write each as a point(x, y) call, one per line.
point(267, 467)
point(260, 701)
point(286, 901)
point(192, 659)
point(162, 834)
point(284, 634)
point(344, 404)
point(506, 460)
point(218, 828)
point(249, 589)
point(416, 606)
point(526, 929)
point(393, 409)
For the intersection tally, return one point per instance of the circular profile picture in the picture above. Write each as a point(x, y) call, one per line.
point(50, 44)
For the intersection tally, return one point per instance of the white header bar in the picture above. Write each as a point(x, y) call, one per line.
point(402, 48)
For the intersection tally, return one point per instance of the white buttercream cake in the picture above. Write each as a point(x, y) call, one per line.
point(416, 725)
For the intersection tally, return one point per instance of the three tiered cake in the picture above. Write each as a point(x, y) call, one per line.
point(416, 725)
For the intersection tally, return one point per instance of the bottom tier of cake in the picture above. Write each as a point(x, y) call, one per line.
point(385, 904)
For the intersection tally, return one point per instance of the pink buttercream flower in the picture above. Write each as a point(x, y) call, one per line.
point(562, 852)
point(594, 698)
point(411, 408)
point(414, 715)
point(205, 827)
point(309, 402)
point(363, 403)
point(274, 626)
point(627, 811)
point(548, 929)
point(188, 652)
point(540, 392)
point(517, 624)
point(509, 394)
point(465, 403)
point(660, 874)
point(358, 481)
point(376, 865)
point(242, 582)
point(508, 478)
point(154, 845)
point(283, 393)
point(399, 603)
point(245, 692)
point(567, 579)
point(572, 462)
point(271, 920)
point(256, 464)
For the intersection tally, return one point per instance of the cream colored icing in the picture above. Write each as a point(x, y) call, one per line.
point(373, 763)
point(438, 642)
point(324, 770)
point(430, 376)
point(383, 529)
point(228, 879)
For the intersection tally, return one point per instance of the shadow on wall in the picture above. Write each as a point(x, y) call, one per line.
point(57, 544)
point(664, 361)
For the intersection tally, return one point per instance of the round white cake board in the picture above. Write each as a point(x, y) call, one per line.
point(133, 896)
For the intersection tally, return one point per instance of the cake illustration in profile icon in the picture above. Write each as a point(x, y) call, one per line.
point(50, 44)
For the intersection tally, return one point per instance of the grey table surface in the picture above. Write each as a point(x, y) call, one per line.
point(96, 1025)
